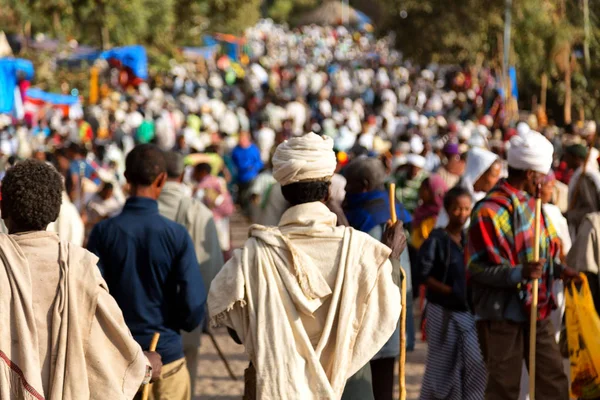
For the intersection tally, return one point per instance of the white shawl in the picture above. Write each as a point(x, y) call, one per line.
point(270, 285)
point(93, 353)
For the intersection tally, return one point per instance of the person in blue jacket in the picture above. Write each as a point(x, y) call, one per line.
point(151, 269)
point(247, 161)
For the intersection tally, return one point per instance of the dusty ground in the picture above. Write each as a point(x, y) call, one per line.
point(214, 381)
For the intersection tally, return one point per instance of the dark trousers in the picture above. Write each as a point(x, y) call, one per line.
point(382, 372)
point(505, 345)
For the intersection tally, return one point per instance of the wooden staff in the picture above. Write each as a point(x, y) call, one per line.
point(402, 361)
point(153, 344)
point(534, 292)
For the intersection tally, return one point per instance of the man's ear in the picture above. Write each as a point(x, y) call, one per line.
point(160, 180)
point(366, 185)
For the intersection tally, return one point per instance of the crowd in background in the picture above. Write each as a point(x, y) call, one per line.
point(441, 134)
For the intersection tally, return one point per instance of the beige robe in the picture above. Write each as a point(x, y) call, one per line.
point(312, 303)
point(587, 200)
point(197, 219)
point(584, 255)
point(63, 336)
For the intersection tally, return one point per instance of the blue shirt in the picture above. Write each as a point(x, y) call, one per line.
point(150, 266)
point(247, 161)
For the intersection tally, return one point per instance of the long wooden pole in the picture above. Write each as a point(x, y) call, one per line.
point(402, 361)
point(153, 344)
point(534, 293)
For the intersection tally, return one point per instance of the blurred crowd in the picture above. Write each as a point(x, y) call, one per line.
point(429, 129)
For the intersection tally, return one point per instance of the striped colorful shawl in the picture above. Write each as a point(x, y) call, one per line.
point(501, 234)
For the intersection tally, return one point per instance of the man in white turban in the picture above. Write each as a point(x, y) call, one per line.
point(293, 290)
point(499, 257)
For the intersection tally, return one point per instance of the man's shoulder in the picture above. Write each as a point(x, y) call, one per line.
point(196, 206)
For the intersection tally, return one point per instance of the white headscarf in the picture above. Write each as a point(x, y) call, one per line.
point(304, 158)
point(531, 151)
point(478, 162)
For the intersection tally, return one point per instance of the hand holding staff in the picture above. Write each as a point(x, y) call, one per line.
point(153, 344)
point(534, 292)
point(402, 361)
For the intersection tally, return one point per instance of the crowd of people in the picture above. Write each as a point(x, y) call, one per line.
point(304, 138)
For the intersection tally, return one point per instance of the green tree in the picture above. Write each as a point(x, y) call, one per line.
point(232, 16)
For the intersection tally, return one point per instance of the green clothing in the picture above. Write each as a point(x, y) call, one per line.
point(145, 132)
point(194, 122)
point(407, 192)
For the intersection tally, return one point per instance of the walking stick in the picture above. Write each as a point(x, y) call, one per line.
point(153, 344)
point(534, 292)
point(402, 361)
point(221, 355)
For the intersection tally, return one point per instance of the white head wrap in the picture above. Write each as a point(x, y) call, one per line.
point(523, 128)
point(478, 162)
point(304, 158)
point(589, 128)
point(530, 151)
point(416, 160)
point(416, 145)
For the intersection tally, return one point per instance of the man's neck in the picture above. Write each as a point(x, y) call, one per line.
point(143, 191)
point(518, 184)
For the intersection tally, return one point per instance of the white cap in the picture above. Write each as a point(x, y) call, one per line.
point(531, 151)
point(416, 145)
point(416, 160)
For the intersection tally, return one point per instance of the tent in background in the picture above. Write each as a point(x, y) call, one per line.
point(132, 57)
point(10, 68)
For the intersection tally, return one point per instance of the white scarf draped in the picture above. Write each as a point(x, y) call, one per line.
point(91, 359)
point(268, 287)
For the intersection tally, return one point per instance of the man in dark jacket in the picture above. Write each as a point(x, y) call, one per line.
point(150, 266)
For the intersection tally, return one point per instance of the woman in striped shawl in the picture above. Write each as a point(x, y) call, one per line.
point(454, 369)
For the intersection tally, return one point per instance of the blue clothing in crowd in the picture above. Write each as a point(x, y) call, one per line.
point(89, 171)
point(151, 269)
point(247, 161)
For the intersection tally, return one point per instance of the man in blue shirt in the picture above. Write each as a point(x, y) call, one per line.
point(150, 266)
point(247, 161)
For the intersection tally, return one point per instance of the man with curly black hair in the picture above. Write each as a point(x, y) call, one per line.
point(150, 265)
point(62, 335)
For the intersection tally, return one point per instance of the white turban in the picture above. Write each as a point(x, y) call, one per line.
point(416, 145)
point(531, 151)
point(304, 158)
point(523, 128)
point(416, 160)
point(589, 128)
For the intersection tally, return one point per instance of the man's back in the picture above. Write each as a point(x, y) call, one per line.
point(327, 278)
point(151, 269)
point(77, 326)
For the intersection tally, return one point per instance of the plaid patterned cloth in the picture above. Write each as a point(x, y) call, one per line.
point(500, 239)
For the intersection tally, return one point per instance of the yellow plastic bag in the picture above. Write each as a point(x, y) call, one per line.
point(583, 338)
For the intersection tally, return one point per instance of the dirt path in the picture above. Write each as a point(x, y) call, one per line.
point(214, 381)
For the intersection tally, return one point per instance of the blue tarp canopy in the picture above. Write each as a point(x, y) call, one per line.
point(52, 98)
point(133, 57)
point(9, 70)
point(230, 48)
